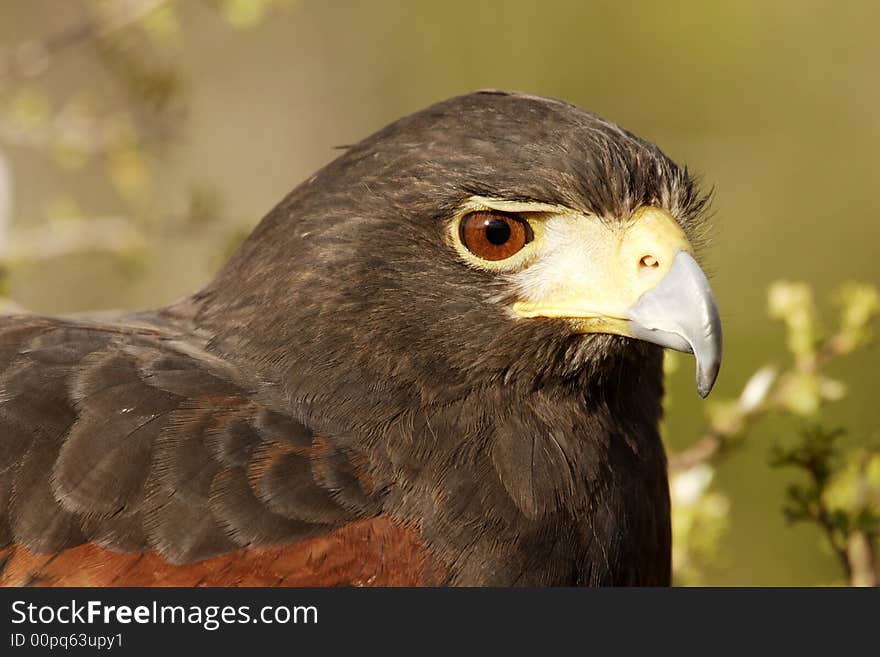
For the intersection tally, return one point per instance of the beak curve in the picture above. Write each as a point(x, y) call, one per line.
point(680, 313)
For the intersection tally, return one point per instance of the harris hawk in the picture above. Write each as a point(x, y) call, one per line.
point(436, 362)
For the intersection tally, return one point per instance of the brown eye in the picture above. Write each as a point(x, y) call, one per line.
point(493, 235)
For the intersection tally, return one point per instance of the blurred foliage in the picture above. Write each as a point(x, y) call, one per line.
point(242, 14)
point(841, 495)
point(122, 121)
point(700, 520)
point(842, 492)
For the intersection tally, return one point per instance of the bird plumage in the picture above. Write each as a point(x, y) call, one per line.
point(347, 402)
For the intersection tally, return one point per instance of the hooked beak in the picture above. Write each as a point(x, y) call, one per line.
point(640, 281)
point(680, 313)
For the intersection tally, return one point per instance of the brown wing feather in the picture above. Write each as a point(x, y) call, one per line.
point(130, 456)
point(373, 552)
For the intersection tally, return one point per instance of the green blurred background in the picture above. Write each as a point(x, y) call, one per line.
point(191, 121)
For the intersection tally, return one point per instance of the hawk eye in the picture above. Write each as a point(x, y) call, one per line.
point(494, 235)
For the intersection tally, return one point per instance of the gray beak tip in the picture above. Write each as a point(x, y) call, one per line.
point(706, 379)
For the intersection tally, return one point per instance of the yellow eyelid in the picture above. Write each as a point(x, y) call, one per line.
point(532, 212)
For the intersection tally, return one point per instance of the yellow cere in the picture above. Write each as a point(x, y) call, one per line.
point(591, 271)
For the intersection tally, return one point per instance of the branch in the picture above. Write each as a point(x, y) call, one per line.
point(765, 392)
point(861, 565)
point(751, 405)
point(852, 527)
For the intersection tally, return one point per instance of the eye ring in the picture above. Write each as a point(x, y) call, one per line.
point(492, 235)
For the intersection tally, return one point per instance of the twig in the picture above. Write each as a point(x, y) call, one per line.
point(717, 440)
point(706, 449)
point(861, 562)
point(822, 517)
point(860, 545)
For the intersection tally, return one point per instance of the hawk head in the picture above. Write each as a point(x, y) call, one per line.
point(491, 237)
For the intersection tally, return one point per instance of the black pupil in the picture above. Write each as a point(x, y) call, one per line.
point(497, 231)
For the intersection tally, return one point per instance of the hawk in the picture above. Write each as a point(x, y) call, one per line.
point(436, 362)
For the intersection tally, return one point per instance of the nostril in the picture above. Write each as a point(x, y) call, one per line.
point(649, 261)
